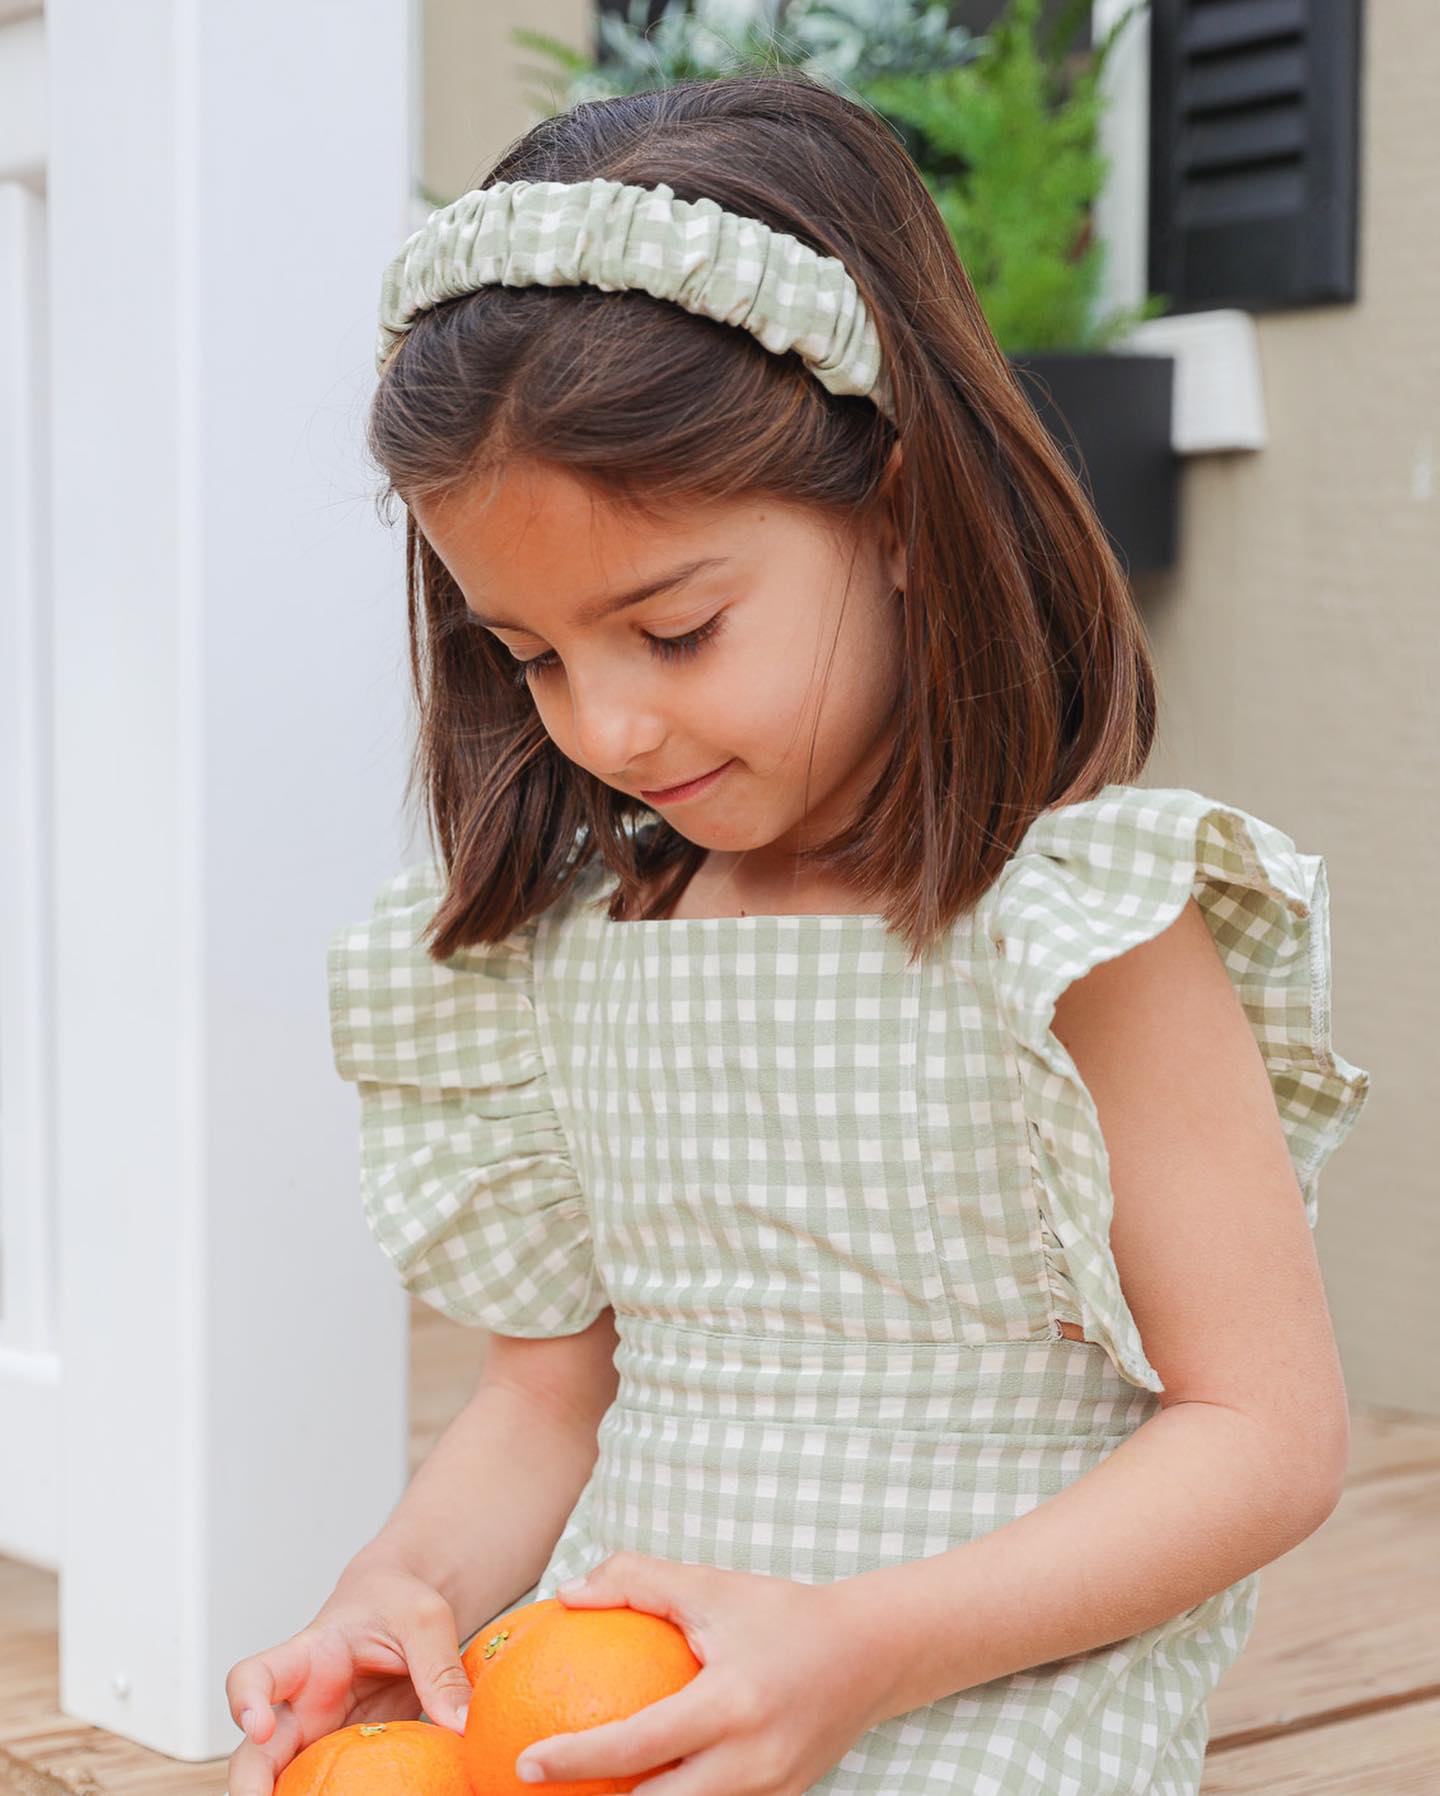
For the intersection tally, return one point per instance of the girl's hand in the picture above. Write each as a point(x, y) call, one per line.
point(783, 1692)
point(383, 1647)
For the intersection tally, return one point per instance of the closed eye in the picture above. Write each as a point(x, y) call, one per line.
point(664, 648)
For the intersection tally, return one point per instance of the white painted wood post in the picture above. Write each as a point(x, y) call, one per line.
point(1122, 211)
point(225, 185)
point(29, 1356)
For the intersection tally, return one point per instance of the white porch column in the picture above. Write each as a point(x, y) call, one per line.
point(225, 185)
point(1122, 214)
point(29, 1356)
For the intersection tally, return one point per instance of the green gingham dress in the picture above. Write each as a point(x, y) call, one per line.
point(840, 1206)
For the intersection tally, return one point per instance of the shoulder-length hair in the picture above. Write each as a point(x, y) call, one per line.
point(1027, 679)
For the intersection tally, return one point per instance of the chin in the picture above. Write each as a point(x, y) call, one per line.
point(717, 835)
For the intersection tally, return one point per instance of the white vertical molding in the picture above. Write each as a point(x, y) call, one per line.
point(22, 94)
point(1122, 212)
point(225, 185)
point(29, 1360)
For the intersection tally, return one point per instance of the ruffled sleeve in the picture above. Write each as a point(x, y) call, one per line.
point(1093, 879)
point(465, 1175)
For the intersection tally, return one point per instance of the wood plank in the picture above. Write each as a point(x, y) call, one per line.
point(1337, 1691)
point(1389, 1440)
point(19, 1779)
point(1346, 1617)
point(45, 1753)
point(1389, 1752)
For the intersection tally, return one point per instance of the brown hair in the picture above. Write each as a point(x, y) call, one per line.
point(1028, 682)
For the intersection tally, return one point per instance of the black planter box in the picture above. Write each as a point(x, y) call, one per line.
point(1110, 411)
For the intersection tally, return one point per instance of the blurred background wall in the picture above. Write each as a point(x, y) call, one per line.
point(1296, 639)
point(1299, 651)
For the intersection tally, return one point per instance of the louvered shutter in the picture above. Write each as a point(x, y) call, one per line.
point(1253, 147)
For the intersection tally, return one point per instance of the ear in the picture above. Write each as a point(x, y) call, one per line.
point(892, 530)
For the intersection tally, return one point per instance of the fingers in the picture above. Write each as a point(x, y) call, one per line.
point(675, 1727)
point(253, 1769)
point(254, 1684)
point(668, 1588)
point(432, 1654)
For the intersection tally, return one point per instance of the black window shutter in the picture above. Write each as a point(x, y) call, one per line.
point(1253, 150)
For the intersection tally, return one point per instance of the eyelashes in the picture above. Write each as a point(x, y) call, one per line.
point(664, 648)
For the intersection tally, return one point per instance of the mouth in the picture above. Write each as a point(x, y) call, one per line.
point(686, 788)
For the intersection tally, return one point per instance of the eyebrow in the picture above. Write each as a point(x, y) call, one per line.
point(595, 613)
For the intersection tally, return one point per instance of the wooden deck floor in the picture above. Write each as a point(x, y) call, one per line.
point(1337, 1694)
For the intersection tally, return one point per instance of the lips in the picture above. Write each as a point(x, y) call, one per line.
point(682, 786)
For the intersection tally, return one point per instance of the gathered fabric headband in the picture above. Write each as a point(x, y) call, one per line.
point(614, 234)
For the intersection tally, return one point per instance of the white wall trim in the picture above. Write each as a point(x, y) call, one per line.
point(22, 97)
point(1122, 210)
point(29, 1371)
point(225, 186)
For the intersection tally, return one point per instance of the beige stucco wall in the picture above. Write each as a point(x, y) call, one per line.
point(474, 79)
point(1299, 651)
point(1297, 642)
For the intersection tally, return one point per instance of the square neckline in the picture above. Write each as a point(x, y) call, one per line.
point(596, 904)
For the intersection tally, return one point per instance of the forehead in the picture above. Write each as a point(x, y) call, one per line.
point(533, 522)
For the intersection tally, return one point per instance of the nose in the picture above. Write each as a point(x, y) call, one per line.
point(611, 724)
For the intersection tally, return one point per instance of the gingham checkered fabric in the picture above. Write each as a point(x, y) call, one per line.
point(840, 1205)
point(617, 234)
point(1094, 879)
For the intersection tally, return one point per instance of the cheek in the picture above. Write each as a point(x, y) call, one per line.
point(869, 666)
point(769, 704)
point(552, 707)
point(787, 672)
point(550, 713)
point(837, 691)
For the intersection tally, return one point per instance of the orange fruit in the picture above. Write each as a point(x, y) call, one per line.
point(378, 1758)
point(545, 1669)
point(497, 1634)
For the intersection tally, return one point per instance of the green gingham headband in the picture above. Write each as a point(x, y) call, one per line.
point(613, 234)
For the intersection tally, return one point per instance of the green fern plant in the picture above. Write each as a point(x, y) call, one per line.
point(1008, 146)
point(843, 43)
point(1004, 128)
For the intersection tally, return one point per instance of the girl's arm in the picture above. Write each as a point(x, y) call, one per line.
point(482, 1514)
point(1248, 1453)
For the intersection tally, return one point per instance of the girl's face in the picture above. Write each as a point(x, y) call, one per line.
point(656, 654)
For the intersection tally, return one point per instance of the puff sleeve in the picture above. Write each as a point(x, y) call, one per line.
point(465, 1176)
point(1093, 879)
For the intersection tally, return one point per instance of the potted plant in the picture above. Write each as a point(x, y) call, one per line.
point(1008, 145)
point(846, 43)
point(1004, 129)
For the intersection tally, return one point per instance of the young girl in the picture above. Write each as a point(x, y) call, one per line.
point(881, 1136)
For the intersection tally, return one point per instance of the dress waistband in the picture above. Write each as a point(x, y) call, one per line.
point(1013, 1388)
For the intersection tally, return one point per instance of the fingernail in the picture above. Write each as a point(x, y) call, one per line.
point(460, 1715)
point(246, 1719)
point(529, 1772)
point(571, 1585)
